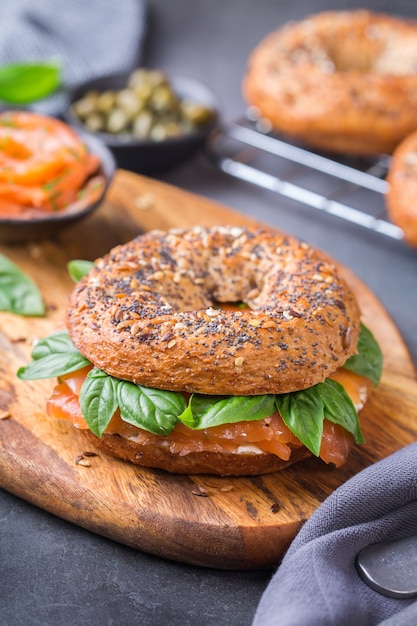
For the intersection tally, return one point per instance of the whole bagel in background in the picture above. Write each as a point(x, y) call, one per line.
point(402, 192)
point(339, 81)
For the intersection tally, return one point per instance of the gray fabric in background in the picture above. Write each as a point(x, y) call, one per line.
point(317, 583)
point(89, 37)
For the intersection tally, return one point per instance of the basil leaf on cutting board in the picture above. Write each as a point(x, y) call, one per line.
point(18, 293)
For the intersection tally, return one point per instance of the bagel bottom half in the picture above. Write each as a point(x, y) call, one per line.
point(222, 463)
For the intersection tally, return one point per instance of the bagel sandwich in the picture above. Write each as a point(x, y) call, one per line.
point(221, 350)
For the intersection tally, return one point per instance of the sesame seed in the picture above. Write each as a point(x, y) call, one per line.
point(80, 460)
point(239, 361)
point(200, 491)
point(127, 265)
point(135, 328)
point(226, 488)
point(347, 338)
point(124, 324)
point(145, 202)
point(172, 343)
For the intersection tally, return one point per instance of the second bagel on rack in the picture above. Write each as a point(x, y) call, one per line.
point(339, 81)
point(402, 191)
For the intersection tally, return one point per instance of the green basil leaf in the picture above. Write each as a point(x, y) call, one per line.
point(368, 361)
point(151, 409)
point(303, 413)
point(55, 343)
point(52, 366)
point(23, 83)
point(53, 356)
point(339, 408)
point(78, 268)
point(18, 292)
point(207, 411)
point(98, 400)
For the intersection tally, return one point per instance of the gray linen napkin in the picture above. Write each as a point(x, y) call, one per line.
point(89, 37)
point(317, 583)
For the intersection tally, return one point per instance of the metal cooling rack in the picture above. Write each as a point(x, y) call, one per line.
point(349, 188)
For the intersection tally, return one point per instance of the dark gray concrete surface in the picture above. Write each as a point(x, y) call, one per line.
point(55, 574)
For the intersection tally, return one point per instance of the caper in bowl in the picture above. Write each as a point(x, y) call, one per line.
point(151, 121)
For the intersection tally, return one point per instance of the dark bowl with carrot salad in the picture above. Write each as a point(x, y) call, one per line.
point(150, 120)
point(51, 175)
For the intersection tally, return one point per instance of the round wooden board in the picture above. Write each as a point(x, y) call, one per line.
point(227, 523)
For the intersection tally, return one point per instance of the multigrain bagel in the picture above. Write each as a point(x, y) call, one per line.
point(402, 191)
point(147, 312)
point(342, 81)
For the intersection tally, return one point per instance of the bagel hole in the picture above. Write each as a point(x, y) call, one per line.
point(354, 55)
point(231, 306)
point(380, 54)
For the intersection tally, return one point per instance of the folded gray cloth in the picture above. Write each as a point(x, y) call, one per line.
point(317, 583)
point(89, 38)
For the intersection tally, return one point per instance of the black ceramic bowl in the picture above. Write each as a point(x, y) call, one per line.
point(15, 230)
point(150, 156)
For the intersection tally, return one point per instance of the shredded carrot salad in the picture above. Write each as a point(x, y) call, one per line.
point(44, 166)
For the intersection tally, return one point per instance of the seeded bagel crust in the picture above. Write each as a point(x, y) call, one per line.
point(342, 81)
point(146, 312)
point(402, 191)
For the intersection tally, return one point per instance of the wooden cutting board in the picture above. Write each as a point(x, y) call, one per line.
point(227, 523)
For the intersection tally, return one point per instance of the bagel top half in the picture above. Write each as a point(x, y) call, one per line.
point(148, 312)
